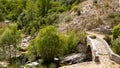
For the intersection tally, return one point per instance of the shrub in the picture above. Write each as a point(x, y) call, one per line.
point(107, 38)
point(68, 19)
point(72, 41)
point(116, 45)
point(82, 37)
point(47, 44)
point(116, 31)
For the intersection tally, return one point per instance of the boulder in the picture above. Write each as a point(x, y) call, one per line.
point(74, 58)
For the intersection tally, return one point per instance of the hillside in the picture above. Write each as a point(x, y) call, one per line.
point(99, 17)
point(59, 34)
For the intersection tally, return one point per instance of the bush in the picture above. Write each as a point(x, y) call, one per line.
point(116, 31)
point(47, 44)
point(68, 19)
point(116, 45)
point(82, 37)
point(72, 41)
point(107, 38)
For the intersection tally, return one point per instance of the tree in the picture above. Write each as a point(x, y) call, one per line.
point(48, 43)
point(116, 31)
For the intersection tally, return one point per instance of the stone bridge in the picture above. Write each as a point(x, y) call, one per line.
point(102, 55)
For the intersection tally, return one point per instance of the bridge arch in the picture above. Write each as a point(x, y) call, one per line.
point(89, 53)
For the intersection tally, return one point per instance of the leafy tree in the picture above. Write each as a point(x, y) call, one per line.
point(116, 31)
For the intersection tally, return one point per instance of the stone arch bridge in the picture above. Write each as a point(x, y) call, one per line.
point(102, 55)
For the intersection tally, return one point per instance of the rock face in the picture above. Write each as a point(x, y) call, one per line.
point(74, 58)
point(103, 29)
point(25, 42)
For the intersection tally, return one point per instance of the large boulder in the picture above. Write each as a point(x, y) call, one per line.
point(74, 58)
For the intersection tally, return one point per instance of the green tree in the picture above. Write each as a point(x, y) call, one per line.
point(49, 43)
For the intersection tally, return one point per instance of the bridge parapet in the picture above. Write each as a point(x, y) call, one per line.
point(112, 55)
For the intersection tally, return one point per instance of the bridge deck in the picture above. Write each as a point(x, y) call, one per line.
point(105, 61)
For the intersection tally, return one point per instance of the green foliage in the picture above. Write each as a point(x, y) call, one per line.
point(32, 27)
point(116, 45)
point(72, 41)
point(32, 50)
point(48, 42)
point(45, 5)
point(32, 31)
point(12, 9)
point(116, 31)
point(44, 12)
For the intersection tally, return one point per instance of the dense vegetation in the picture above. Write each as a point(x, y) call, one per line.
point(49, 44)
point(31, 15)
point(39, 19)
point(36, 18)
